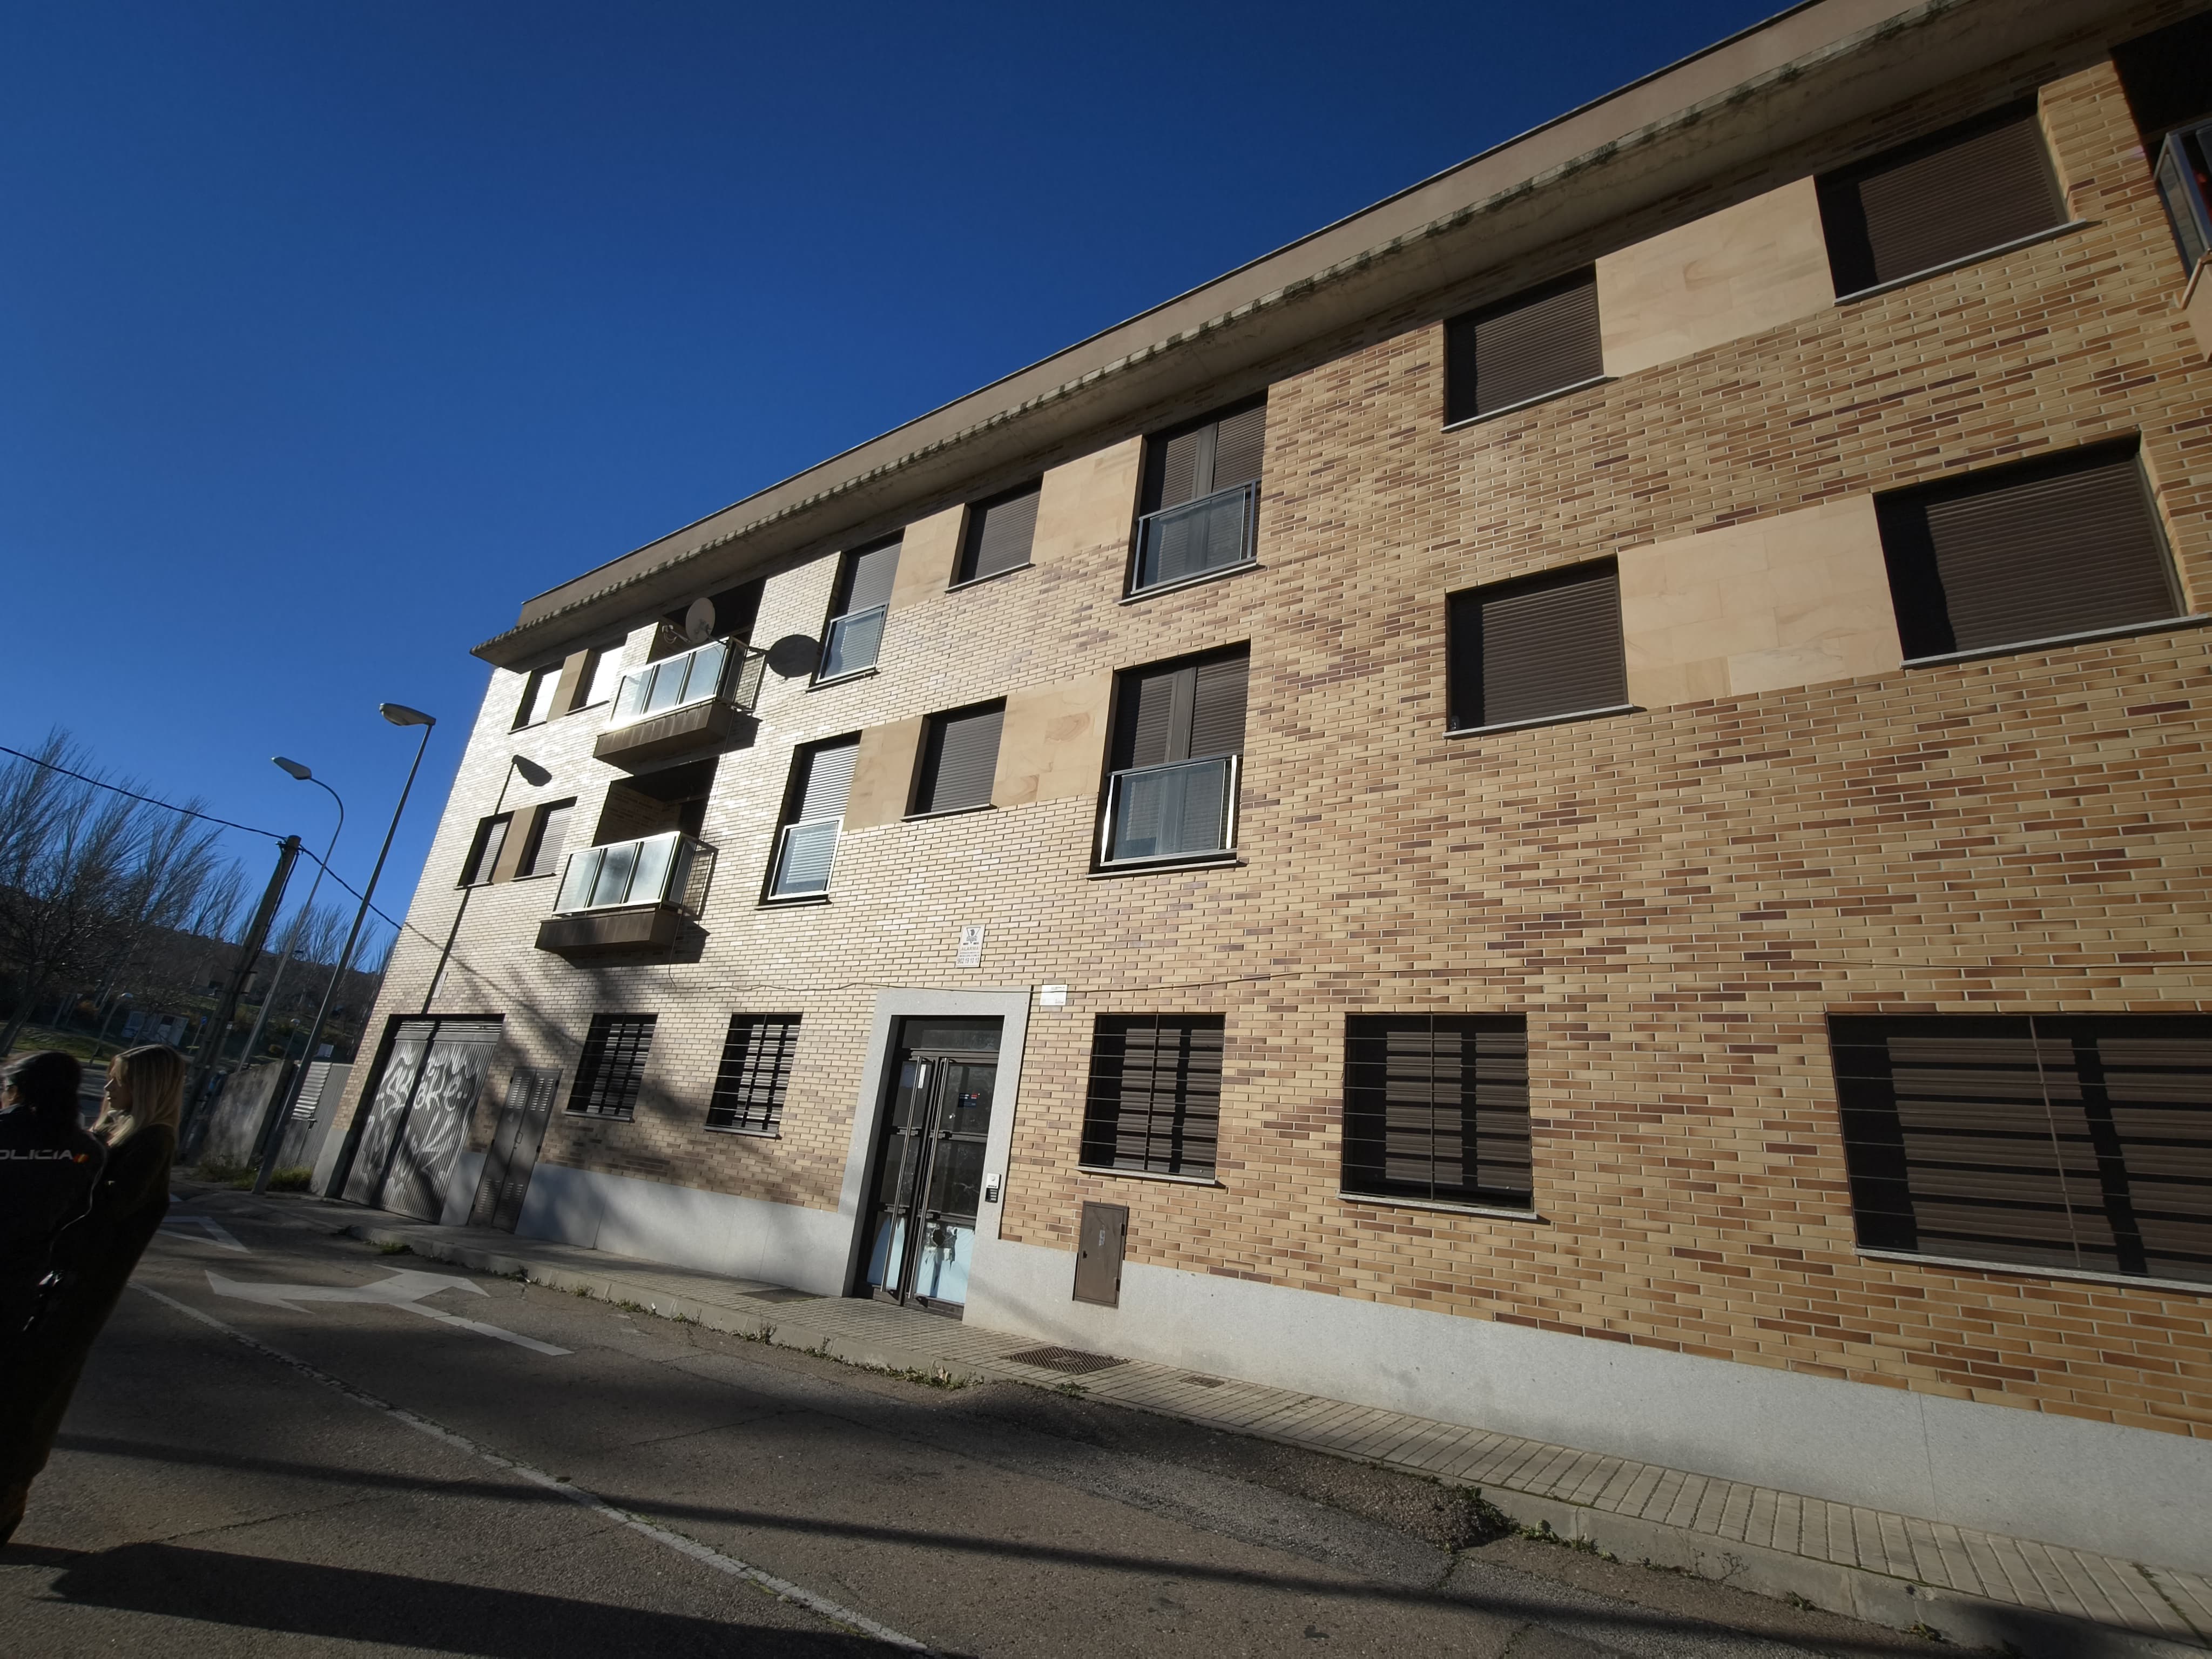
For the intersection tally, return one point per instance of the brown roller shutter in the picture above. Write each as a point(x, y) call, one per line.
point(1150, 723)
point(1543, 646)
point(2043, 1141)
point(828, 780)
point(1940, 200)
point(1154, 1102)
point(1238, 441)
point(2167, 75)
point(868, 581)
point(1541, 341)
point(959, 757)
point(2023, 553)
point(1193, 462)
point(1436, 1107)
point(1000, 534)
point(1184, 711)
point(1216, 714)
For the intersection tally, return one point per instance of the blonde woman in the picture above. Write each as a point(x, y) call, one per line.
point(93, 1260)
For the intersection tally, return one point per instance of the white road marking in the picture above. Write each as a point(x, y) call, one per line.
point(402, 1290)
point(174, 1225)
point(783, 1588)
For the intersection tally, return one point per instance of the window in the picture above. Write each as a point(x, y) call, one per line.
point(999, 534)
point(1436, 1109)
point(856, 630)
point(602, 670)
point(806, 843)
point(483, 852)
point(2071, 1141)
point(1539, 648)
point(1941, 201)
point(612, 1067)
point(1178, 739)
point(548, 833)
point(1155, 1098)
point(1523, 348)
point(755, 1072)
point(1201, 499)
point(959, 757)
point(2015, 555)
point(536, 705)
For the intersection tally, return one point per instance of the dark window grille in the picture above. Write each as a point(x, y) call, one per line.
point(613, 1068)
point(1436, 1108)
point(2019, 554)
point(756, 1070)
point(1543, 341)
point(1940, 200)
point(1000, 534)
point(2072, 1141)
point(483, 852)
point(959, 759)
point(1538, 648)
point(1154, 1102)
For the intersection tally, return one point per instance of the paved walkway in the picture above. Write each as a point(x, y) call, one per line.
point(1976, 1589)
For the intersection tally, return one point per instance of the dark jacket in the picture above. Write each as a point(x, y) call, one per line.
point(47, 1177)
point(92, 1262)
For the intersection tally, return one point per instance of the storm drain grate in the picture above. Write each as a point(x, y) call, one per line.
point(783, 1296)
point(1198, 1382)
point(1073, 1360)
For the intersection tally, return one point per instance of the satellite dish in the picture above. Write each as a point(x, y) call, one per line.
point(699, 621)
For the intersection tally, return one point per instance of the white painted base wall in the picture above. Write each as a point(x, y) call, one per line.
point(2130, 1493)
point(717, 1232)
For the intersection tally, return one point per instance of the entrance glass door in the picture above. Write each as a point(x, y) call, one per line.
point(929, 1163)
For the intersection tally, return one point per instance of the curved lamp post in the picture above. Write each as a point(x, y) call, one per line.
point(399, 714)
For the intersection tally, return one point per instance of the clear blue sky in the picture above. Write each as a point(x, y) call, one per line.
point(329, 332)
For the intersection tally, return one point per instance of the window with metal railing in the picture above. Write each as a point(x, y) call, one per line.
point(1200, 500)
point(854, 636)
point(662, 869)
point(806, 841)
point(1177, 747)
point(2184, 182)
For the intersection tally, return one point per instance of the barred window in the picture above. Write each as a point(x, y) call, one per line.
point(1436, 1108)
point(756, 1071)
point(612, 1067)
point(2073, 1141)
point(1155, 1097)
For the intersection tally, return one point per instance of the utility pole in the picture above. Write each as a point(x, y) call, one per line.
point(249, 958)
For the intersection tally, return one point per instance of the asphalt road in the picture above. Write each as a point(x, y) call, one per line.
point(385, 1460)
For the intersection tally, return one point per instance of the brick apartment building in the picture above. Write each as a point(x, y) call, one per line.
point(1578, 805)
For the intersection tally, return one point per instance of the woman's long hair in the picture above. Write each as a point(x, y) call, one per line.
point(146, 1090)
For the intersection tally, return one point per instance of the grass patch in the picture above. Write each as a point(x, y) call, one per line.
point(295, 1180)
point(394, 1246)
point(237, 1177)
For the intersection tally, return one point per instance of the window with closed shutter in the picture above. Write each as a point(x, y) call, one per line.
point(999, 534)
point(483, 852)
point(1200, 498)
point(612, 1068)
point(756, 1070)
point(806, 841)
point(1535, 344)
point(1154, 1102)
point(959, 757)
point(2020, 554)
point(536, 705)
point(549, 835)
point(854, 635)
point(1545, 646)
point(1183, 711)
point(1178, 739)
point(1436, 1109)
point(2073, 1141)
point(1940, 201)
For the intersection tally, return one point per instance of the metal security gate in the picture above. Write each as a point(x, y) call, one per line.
point(418, 1112)
point(513, 1155)
point(929, 1163)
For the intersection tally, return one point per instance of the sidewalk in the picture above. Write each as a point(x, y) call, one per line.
point(1977, 1590)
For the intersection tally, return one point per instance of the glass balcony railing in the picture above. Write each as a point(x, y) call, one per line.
point(803, 854)
point(669, 868)
point(1195, 539)
point(719, 668)
point(2184, 181)
point(853, 643)
point(1186, 809)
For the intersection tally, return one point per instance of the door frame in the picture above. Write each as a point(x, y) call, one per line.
point(1011, 1007)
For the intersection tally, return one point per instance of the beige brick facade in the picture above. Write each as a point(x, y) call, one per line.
point(1792, 826)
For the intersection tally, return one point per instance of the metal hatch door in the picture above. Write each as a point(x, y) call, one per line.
point(514, 1155)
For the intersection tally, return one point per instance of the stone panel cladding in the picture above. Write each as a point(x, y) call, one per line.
point(1675, 899)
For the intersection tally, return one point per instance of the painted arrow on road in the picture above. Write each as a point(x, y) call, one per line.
point(403, 1289)
point(175, 1225)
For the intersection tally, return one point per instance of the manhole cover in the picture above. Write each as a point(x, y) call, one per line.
point(1072, 1360)
point(783, 1296)
point(1198, 1382)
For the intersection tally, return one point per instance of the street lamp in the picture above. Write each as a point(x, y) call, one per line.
point(537, 777)
point(278, 1096)
point(398, 714)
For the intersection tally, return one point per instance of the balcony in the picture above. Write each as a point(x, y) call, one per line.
point(681, 706)
point(1183, 811)
point(628, 895)
point(2185, 184)
point(1214, 533)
